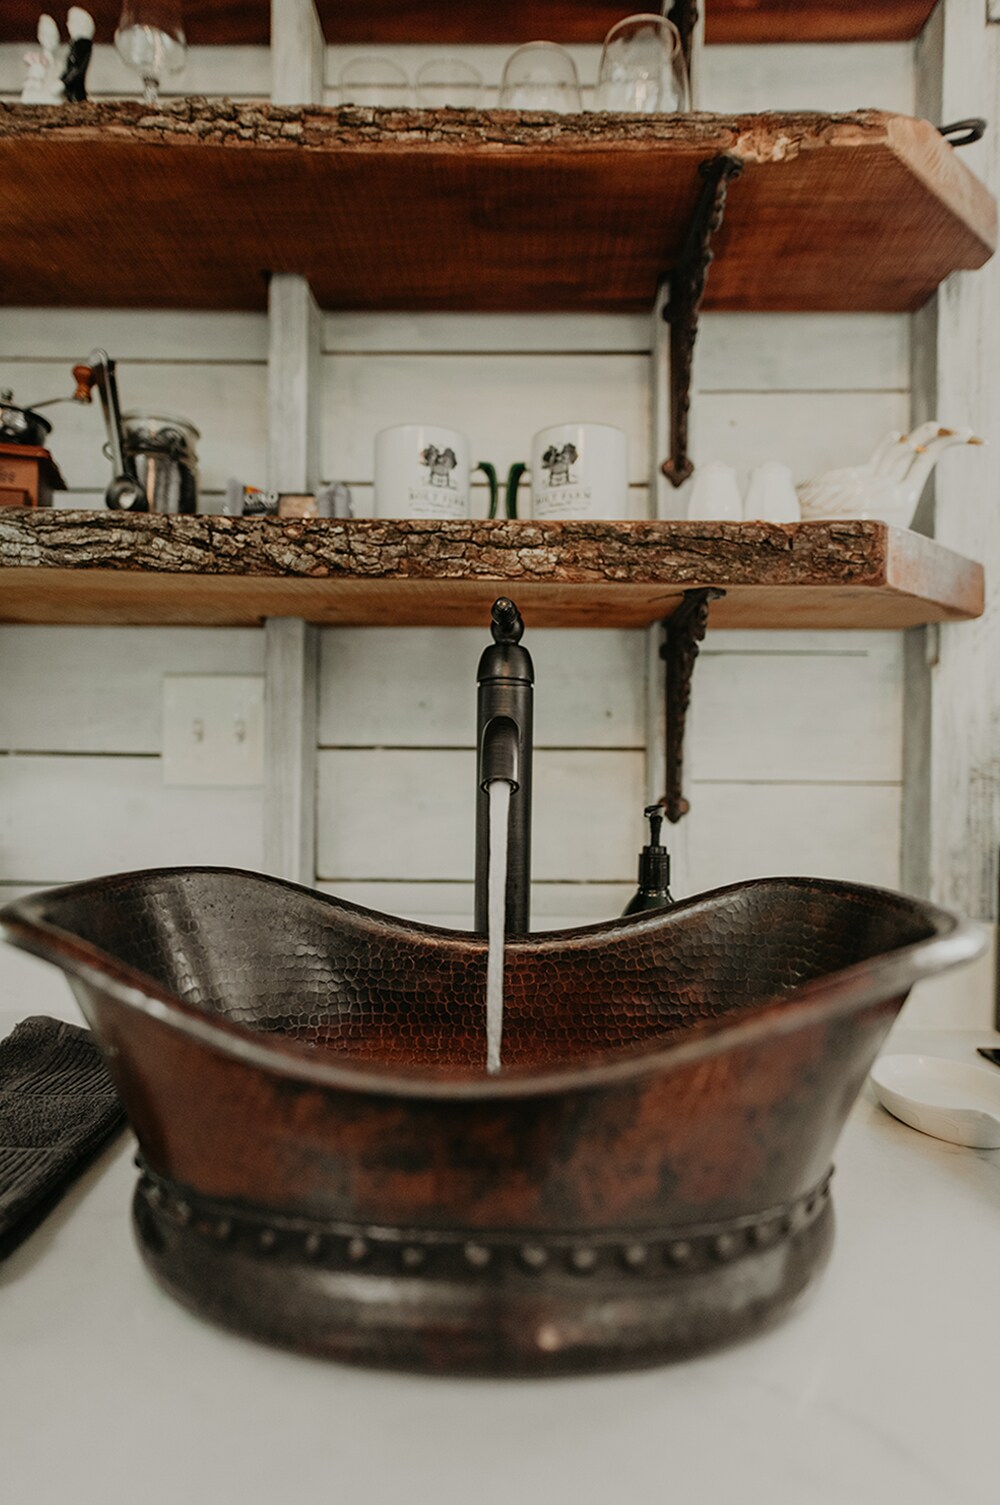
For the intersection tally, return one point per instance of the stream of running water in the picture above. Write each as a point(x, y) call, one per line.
point(499, 797)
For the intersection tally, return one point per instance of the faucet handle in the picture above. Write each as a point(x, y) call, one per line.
point(507, 625)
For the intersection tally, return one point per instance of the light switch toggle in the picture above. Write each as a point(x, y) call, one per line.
point(213, 729)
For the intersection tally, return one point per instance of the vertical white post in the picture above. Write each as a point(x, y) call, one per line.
point(965, 714)
point(290, 759)
point(953, 711)
point(291, 655)
point(294, 372)
point(665, 501)
point(662, 496)
point(297, 53)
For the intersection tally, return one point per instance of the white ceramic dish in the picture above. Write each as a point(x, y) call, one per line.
point(948, 1099)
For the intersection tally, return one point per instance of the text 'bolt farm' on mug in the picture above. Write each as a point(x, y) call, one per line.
point(423, 471)
point(579, 470)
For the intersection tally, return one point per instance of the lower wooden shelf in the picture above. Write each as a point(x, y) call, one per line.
point(118, 569)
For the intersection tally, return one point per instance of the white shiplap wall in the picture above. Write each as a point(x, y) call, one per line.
point(795, 748)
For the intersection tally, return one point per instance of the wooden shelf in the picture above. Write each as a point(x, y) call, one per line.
point(416, 209)
point(454, 22)
point(112, 568)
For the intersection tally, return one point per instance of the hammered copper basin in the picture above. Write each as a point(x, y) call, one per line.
point(326, 1164)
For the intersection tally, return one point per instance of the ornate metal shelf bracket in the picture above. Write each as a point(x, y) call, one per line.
point(685, 631)
point(685, 291)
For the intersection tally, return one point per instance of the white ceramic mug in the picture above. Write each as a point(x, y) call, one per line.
point(579, 470)
point(715, 495)
point(421, 471)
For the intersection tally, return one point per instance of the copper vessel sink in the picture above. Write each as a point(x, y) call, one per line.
point(326, 1165)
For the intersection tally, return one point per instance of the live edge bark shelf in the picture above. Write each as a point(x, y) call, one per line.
point(193, 204)
point(106, 567)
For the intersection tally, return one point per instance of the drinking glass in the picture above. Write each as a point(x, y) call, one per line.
point(448, 81)
point(150, 40)
point(375, 81)
point(642, 68)
point(541, 76)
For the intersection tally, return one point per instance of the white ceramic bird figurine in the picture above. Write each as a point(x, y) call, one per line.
point(888, 487)
point(895, 458)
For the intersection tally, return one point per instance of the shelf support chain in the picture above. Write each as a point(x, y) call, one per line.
point(684, 633)
point(684, 15)
point(685, 291)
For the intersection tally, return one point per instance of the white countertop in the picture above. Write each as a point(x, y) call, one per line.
point(882, 1386)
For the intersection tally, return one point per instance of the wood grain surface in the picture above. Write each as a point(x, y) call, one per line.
point(454, 22)
point(471, 210)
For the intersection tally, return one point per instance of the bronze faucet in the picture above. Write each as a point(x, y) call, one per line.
point(506, 687)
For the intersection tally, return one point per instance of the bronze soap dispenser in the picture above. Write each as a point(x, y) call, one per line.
point(654, 870)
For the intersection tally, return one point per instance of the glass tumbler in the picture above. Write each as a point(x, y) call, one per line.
point(643, 70)
point(541, 76)
point(375, 82)
point(449, 82)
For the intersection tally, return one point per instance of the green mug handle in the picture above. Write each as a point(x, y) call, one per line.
point(513, 482)
point(489, 471)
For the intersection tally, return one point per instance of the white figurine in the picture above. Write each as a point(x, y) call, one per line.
point(43, 86)
point(888, 490)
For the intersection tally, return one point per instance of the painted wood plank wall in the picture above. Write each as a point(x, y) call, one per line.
point(795, 753)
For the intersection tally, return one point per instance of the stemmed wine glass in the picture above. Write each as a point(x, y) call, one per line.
point(643, 68)
point(150, 40)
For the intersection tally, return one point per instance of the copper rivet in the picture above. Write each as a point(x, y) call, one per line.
point(267, 1238)
point(534, 1256)
point(223, 1229)
point(635, 1255)
point(313, 1244)
point(725, 1245)
point(477, 1255)
point(357, 1250)
point(679, 1252)
point(155, 1195)
point(413, 1256)
point(583, 1259)
point(182, 1213)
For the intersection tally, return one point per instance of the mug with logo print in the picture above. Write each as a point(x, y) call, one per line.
point(579, 470)
point(421, 470)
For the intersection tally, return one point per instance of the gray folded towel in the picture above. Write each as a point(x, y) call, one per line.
point(57, 1108)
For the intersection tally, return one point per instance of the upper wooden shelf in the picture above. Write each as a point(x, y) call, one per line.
point(192, 205)
point(113, 568)
point(456, 22)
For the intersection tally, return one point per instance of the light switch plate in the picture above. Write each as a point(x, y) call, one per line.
point(213, 729)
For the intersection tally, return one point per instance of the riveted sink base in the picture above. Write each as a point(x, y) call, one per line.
point(498, 1305)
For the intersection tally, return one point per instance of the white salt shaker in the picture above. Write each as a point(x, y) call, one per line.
point(715, 495)
point(771, 496)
